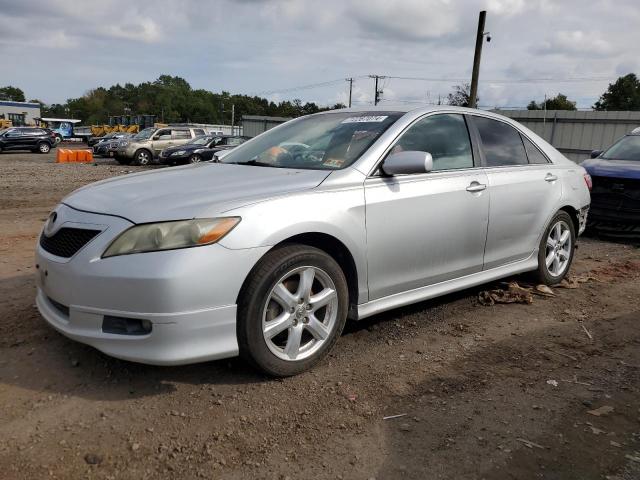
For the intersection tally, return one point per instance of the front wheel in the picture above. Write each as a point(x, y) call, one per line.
point(292, 310)
point(44, 147)
point(195, 158)
point(142, 157)
point(556, 249)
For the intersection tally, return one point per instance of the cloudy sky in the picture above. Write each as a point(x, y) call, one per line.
point(57, 49)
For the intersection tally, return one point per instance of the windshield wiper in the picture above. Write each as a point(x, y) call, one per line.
point(255, 163)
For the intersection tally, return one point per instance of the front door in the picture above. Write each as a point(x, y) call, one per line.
point(14, 140)
point(427, 228)
point(161, 140)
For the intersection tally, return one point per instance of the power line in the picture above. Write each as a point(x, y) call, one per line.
point(306, 87)
point(515, 80)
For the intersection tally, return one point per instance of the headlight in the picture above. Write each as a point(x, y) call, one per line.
point(152, 237)
point(179, 152)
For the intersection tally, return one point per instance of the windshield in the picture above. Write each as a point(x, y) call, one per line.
point(201, 141)
point(318, 142)
point(144, 134)
point(627, 148)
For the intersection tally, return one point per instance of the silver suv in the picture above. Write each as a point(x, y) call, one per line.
point(148, 143)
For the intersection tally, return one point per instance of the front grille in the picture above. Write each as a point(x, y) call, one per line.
point(616, 194)
point(67, 241)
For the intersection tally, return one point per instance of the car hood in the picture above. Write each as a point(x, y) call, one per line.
point(195, 191)
point(600, 167)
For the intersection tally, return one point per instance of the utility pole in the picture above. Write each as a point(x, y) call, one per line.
point(233, 116)
point(376, 97)
point(350, 80)
point(473, 94)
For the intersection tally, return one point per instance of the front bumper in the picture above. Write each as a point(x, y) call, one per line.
point(188, 295)
point(176, 338)
point(166, 159)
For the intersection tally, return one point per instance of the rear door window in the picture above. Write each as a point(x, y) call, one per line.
point(198, 131)
point(501, 143)
point(180, 134)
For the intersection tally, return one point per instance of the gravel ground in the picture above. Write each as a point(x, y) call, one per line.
point(500, 392)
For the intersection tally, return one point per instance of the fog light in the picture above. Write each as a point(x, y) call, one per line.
point(126, 326)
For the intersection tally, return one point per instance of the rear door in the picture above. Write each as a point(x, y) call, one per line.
point(30, 137)
point(524, 190)
point(427, 228)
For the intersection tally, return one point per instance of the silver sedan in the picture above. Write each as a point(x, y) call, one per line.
point(267, 251)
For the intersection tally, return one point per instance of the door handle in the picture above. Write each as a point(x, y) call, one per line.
point(550, 177)
point(476, 187)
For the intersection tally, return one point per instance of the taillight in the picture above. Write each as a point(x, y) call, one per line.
point(588, 181)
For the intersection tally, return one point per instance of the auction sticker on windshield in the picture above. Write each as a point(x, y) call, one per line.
point(369, 118)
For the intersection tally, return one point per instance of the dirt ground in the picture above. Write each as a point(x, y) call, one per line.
point(500, 392)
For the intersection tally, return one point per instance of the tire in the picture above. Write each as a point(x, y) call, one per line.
point(195, 158)
point(142, 157)
point(58, 139)
point(558, 252)
point(44, 147)
point(314, 329)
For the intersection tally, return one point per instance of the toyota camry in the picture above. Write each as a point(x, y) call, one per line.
point(266, 252)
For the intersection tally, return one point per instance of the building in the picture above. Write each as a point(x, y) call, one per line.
point(253, 125)
point(20, 113)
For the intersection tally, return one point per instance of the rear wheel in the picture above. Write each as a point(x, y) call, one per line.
point(292, 310)
point(556, 249)
point(44, 147)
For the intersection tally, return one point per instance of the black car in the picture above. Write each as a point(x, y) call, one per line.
point(200, 150)
point(109, 144)
point(35, 139)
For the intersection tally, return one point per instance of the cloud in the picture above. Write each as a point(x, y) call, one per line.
point(576, 42)
point(407, 20)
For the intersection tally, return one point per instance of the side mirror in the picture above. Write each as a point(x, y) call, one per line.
point(408, 162)
point(596, 153)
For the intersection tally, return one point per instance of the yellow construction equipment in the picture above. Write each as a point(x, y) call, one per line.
point(5, 123)
point(100, 130)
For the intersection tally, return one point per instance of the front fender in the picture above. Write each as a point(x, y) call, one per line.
point(338, 213)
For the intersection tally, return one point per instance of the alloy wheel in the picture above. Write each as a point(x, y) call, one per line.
point(44, 148)
point(300, 313)
point(558, 248)
point(143, 158)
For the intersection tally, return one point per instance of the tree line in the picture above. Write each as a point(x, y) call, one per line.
point(623, 94)
point(171, 99)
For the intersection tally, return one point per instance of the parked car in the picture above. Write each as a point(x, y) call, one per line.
point(615, 197)
point(345, 213)
point(201, 149)
point(95, 140)
point(109, 146)
point(35, 139)
point(144, 147)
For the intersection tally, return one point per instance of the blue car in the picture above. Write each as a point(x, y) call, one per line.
point(615, 197)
